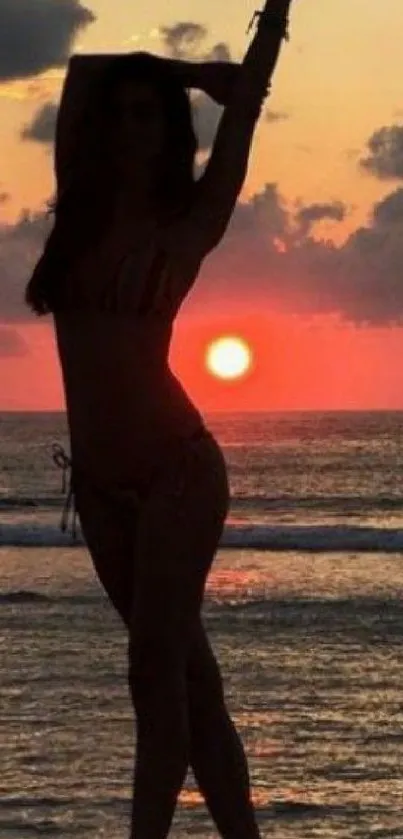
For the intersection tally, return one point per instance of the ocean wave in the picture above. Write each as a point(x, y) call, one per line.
point(14, 503)
point(27, 596)
point(346, 504)
point(20, 827)
point(274, 503)
point(313, 538)
point(23, 596)
point(361, 617)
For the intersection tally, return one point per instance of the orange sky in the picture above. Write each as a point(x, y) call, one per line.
point(337, 83)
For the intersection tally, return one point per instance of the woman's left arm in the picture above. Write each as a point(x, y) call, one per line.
point(216, 78)
point(199, 231)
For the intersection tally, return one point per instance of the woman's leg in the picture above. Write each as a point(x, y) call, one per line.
point(108, 524)
point(178, 529)
point(109, 528)
point(140, 577)
point(216, 753)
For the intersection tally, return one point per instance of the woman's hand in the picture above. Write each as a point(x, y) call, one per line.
point(217, 79)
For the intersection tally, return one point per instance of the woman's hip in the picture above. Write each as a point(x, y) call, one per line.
point(190, 480)
point(195, 476)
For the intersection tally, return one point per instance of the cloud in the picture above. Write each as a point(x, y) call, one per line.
point(276, 116)
point(219, 52)
point(183, 39)
point(36, 35)
point(43, 126)
point(269, 259)
point(12, 343)
point(20, 246)
point(309, 214)
point(389, 211)
point(187, 40)
point(4, 197)
point(267, 211)
point(384, 157)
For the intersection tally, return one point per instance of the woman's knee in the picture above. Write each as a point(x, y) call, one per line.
point(203, 678)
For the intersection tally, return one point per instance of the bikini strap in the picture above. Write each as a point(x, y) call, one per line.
point(64, 462)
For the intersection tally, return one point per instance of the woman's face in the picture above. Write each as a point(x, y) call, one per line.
point(139, 129)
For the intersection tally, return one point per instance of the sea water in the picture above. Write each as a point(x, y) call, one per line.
point(303, 608)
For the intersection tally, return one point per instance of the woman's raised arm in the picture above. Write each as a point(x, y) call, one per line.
point(218, 188)
point(216, 78)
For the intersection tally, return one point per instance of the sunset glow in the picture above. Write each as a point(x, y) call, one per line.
point(306, 281)
point(228, 357)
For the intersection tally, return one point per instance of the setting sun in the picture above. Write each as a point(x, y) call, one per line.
point(228, 357)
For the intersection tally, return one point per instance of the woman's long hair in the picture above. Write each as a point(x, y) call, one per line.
point(84, 203)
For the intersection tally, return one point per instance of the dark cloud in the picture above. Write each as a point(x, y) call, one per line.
point(38, 34)
point(187, 40)
point(4, 197)
point(309, 214)
point(220, 52)
point(183, 39)
point(266, 211)
point(266, 258)
point(12, 343)
point(20, 246)
point(43, 126)
point(384, 157)
point(389, 211)
point(276, 116)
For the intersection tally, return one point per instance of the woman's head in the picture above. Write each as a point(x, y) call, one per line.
point(138, 127)
point(135, 132)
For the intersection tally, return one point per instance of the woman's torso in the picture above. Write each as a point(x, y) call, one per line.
point(125, 407)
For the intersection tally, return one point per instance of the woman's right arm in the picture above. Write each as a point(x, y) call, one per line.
point(218, 188)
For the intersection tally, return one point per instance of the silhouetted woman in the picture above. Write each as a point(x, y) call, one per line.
point(132, 227)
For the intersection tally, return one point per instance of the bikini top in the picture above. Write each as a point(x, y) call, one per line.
point(147, 283)
point(141, 285)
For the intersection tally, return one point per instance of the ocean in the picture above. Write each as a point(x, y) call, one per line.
point(303, 607)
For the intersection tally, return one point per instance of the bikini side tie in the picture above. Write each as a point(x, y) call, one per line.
point(63, 462)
